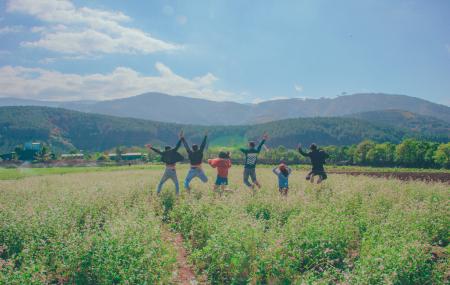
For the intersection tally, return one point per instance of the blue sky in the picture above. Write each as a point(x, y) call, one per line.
point(246, 51)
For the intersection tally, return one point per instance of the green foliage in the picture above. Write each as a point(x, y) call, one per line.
point(362, 150)
point(361, 231)
point(64, 130)
point(442, 155)
point(53, 234)
point(105, 228)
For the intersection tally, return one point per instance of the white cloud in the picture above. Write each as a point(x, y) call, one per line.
point(298, 88)
point(260, 100)
point(43, 84)
point(10, 29)
point(82, 30)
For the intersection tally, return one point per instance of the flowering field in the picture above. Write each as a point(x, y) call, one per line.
point(108, 227)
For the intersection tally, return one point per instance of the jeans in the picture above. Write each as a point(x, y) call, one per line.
point(195, 172)
point(249, 173)
point(171, 174)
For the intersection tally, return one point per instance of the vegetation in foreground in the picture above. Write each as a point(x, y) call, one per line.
point(105, 228)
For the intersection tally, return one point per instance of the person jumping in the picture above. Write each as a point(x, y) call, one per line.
point(251, 157)
point(222, 163)
point(195, 158)
point(170, 156)
point(283, 171)
point(318, 158)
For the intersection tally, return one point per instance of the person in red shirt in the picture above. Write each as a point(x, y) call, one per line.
point(222, 163)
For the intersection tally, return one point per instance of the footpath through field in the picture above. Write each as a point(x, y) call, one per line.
point(185, 274)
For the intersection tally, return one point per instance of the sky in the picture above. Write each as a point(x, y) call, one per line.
point(244, 51)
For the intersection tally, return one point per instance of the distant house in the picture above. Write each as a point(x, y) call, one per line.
point(32, 146)
point(72, 156)
point(128, 156)
point(30, 150)
point(8, 156)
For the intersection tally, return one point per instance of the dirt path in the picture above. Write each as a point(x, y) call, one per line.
point(423, 176)
point(184, 273)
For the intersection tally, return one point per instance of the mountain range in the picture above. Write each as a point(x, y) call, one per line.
point(176, 109)
point(65, 130)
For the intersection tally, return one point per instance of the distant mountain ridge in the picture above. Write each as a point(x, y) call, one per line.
point(65, 129)
point(426, 125)
point(177, 109)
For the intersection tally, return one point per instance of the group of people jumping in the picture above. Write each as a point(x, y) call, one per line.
point(170, 156)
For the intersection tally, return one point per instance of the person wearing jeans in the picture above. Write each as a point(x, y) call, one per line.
point(170, 156)
point(251, 157)
point(195, 158)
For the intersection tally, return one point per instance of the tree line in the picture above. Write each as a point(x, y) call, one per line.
point(409, 153)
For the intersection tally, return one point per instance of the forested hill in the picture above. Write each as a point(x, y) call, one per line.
point(65, 130)
point(425, 125)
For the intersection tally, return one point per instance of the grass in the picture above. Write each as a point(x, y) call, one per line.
point(22, 172)
point(104, 227)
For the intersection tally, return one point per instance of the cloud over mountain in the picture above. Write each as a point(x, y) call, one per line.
point(44, 84)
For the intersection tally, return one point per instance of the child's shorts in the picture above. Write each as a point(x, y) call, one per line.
point(221, 180)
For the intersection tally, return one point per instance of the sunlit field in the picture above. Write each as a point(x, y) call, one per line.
point(107, 227)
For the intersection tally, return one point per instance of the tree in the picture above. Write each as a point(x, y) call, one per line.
point(103, 157)
point(381, 154)
point(43, 155)
point(429, 154)
point(407, 152)
point(360, 155)
point(442, 155)
point(119, 152)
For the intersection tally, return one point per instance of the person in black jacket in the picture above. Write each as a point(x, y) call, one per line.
point(318, 158)
point(170, 156)
point(195, 158)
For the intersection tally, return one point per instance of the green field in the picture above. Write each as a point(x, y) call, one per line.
point(22, 172)
point(105, 225)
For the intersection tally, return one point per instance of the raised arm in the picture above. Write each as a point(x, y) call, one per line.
point(178, 145)
point(156, 150)
point(275, 170)
point(258, 149)
point(186, 146)
point(181, 138)
point(203, 145)
point(264, 138)
point(301, 151)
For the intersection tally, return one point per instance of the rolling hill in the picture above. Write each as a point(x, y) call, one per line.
point(66, 129)
point(426, 126)
point(176, 109)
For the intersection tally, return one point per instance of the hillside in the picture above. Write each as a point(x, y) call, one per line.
point(424, 125)
point(176, 109)
point(65, 130)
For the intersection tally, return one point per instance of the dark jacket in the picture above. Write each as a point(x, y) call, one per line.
point(251, 155)
point(195, 157)
point(317, 157)
point(171, 156)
